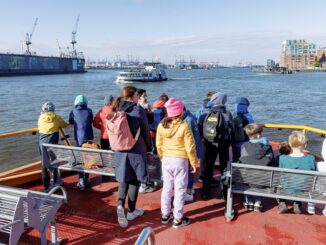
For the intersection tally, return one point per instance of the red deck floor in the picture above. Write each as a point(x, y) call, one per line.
point(90, 218)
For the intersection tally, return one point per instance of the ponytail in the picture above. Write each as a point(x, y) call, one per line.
point(116, 103)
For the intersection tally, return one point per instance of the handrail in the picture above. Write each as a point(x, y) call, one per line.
point(304, 128)
point(26, 131)
point(147, 236)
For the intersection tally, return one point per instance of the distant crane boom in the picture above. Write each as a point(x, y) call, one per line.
point(73, 36)
point(28, 40)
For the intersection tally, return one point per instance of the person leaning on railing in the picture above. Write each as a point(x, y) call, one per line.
point(48, 126)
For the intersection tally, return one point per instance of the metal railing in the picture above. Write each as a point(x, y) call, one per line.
point(303, 128)
point(147, 236)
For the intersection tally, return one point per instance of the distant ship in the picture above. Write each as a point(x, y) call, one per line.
point(153, 72)
point(31, 64)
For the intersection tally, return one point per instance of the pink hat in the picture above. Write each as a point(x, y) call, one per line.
point(174, 107)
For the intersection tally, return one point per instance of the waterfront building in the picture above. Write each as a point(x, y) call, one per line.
point(321, 56)
point(270, 63)
point(297, 54)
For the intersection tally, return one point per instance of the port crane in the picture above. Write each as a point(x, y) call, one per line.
point(61, 53)
point(73, 37)
point(28, 39)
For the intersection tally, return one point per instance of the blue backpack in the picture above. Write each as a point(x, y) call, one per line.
point(158, 115)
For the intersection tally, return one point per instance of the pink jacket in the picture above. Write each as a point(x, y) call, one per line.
point(100, 120)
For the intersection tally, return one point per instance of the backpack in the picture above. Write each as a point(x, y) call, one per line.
point(240, 121)
point(90, 159)
point(120, 136)
point(158, 115)
point(215, 127)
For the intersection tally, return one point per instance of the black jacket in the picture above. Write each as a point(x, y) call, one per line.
point(257, 154)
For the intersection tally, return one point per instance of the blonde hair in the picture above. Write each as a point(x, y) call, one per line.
point(253, 129)
point(297, 139)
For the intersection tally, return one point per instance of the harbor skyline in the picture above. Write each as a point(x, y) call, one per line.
point(208, 31)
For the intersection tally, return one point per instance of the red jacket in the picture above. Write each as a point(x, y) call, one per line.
point(99, 120)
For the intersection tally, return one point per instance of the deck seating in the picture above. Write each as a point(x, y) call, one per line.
point(72, 158)
point(11, 217)
point(147, 236)
point(287, 184)
point(39, 208)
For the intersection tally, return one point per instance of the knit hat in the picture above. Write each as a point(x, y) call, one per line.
point(48, 107)
point(174, 107)
point(218, 99)
point(81, 100)
point(108, 100)
point(242, 100)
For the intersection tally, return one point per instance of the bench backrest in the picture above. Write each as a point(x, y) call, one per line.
point(291, 181)
point(57, 155)
point(11, 217)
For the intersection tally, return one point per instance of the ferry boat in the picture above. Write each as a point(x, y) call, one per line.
point(90, 215)
point(152, 72)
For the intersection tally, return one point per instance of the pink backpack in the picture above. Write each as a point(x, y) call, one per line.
point(119, 133)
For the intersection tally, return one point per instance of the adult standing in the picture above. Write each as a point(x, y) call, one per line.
point(131, 164)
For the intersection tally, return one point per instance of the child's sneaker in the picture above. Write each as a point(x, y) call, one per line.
point(248, 205)
point(311, 208)
point(258, 207)
point(189, 197)
point(166, 219)
point(81, 184)
point(146, 189)
point(282, 208)
point(123, 222)
point(135, 214)
point(183, 222)
point(296, 208)
point(324, 211)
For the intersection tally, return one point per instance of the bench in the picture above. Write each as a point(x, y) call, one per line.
point(281, 183)
point(11, 217)
point(72, 158)
point(39, 208)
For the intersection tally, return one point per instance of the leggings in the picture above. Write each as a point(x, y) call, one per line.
point(130, 188)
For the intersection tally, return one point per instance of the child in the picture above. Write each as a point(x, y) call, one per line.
point(100, 121)
point(256, 152)
point(321, 166)
point(284, 149)
point(296, 160)
point(82, 118)
point(175, 146)
point(48, 126)
point(241, 118)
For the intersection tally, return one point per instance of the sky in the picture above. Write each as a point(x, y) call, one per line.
point(208, 31)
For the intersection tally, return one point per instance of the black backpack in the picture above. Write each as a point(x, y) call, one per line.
point(215, 127)
point(240, 121)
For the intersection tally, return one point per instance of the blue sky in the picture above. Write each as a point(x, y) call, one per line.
point(228, 31)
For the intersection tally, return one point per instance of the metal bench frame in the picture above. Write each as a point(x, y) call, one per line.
point(273, 186)
point(106, 158)
point(39, 208)
point(147, 236)
point(11, 217)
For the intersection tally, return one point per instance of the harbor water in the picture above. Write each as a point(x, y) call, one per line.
point(286, 99)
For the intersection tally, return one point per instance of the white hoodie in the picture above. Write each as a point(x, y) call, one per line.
point(321, 166)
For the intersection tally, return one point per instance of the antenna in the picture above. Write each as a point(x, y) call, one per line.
point(73, 37)
point(28, 39)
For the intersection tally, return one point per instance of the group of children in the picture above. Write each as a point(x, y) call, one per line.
point(183, 142)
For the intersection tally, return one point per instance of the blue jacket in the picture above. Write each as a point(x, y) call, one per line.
point(82, 118)
point(132, 164)
point(192, 122)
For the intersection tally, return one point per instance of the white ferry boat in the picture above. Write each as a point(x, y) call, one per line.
point(153, 72)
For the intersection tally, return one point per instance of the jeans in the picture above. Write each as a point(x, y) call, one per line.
point(129, 188)
point(175, 177)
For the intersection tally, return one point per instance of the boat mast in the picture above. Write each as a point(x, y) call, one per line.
point(28, 39)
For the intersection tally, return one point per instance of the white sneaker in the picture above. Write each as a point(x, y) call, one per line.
point(310, 208)
point(189, 197)
point(135, 214)
point(123, 222)
point(324, 211)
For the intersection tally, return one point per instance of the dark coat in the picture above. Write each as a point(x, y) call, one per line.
point(257, 154)
point(132, 164)
point(82, 119)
